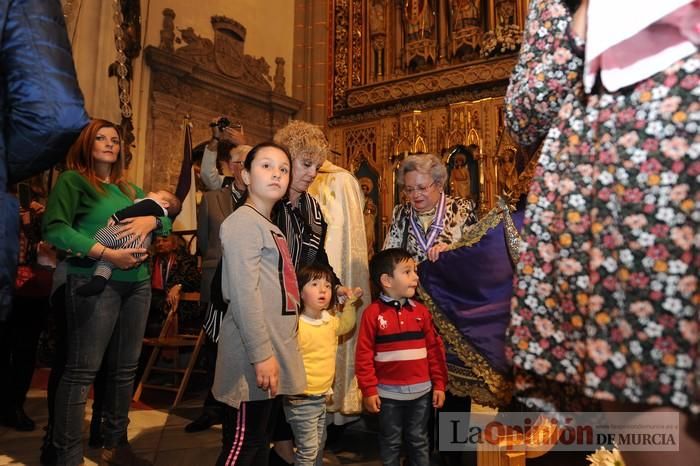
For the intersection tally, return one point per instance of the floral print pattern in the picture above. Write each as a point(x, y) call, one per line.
point(606, 292)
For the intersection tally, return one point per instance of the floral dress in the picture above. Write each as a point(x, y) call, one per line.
point(606, 291)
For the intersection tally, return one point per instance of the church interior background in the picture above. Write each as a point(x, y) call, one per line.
point(384, 78)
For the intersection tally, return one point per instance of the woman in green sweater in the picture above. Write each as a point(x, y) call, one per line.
point(109, 325)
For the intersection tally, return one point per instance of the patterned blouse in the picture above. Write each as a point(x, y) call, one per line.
point(459, 214)
point(305, 230)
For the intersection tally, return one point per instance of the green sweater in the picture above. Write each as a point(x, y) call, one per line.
point(74, 213)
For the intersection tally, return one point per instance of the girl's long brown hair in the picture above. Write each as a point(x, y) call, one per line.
point(79, 158)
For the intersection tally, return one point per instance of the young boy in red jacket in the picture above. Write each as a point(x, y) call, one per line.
point(399, 360)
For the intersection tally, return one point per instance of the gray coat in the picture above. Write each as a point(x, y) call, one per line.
point(261, 321)
point(213, 210)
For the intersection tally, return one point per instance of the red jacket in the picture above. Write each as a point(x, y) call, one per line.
point(398, 348)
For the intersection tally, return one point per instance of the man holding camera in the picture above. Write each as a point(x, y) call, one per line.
point(217, 204)
point(225, 138)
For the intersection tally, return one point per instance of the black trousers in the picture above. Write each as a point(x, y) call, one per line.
point(212, 407)
point(453, 403)
point(19, 337)
point(247, 432)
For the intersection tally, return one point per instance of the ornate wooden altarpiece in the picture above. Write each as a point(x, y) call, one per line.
point(200, 78)
point(414, 76)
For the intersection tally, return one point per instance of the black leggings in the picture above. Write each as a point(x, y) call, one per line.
point(247, 432)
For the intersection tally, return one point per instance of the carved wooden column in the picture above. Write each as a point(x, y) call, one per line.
point(398, 38)
point(443, 30)
point(310, 72)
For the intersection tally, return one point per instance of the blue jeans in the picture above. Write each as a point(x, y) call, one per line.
point(109, 325)
point(307, 416)
point(410, 418)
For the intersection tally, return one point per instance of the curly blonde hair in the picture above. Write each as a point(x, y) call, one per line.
point(303, 140)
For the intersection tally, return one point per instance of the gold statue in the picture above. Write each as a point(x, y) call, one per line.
point(465, 13)
point(508, 171)
point(460, 181)
point(370, 214)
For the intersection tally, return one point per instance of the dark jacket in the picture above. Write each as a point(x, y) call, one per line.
point(42, 110)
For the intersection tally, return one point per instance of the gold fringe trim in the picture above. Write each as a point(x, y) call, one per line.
point(478, 379)
point(475, 232)
point(513, 239)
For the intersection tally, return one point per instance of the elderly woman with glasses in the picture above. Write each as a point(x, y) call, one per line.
point(431, 220)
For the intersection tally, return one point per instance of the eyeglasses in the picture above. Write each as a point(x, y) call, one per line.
point(411, 190)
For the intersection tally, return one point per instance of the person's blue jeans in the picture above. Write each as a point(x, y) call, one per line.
point(307, 416)
point(110, 325)
point(410, 418)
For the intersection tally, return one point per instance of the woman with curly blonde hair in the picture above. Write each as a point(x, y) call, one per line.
point(300, 218)
point(299, 215)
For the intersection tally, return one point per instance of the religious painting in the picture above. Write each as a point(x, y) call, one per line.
point(463, 172)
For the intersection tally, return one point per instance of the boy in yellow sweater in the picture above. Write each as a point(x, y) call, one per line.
point(318, 341)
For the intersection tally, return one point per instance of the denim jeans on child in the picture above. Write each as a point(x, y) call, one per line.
point(307, 416)
point(109, 325)
point(410, 418)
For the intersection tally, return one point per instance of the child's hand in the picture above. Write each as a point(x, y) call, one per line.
point(348, 293)
point(438, 398)
point(267, 374)
point(373, 403)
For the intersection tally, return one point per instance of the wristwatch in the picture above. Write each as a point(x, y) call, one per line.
point(159, 223)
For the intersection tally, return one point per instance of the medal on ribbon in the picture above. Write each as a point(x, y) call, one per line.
point(427, 239)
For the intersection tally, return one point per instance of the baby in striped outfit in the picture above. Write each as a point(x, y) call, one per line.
point(158, 204)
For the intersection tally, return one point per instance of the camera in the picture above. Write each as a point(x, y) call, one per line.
point(222, 123)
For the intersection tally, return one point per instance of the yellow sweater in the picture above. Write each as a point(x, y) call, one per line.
point(318, 342)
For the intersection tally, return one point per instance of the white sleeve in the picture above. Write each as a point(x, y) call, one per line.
point(209, 174)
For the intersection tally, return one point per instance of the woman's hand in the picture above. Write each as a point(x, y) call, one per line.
point(578, 20)
point(267, 374)
point(125, 258)
point(434, 252)
point(37, 207)
point(173, 297)
point(25, 216)
point(140, 227)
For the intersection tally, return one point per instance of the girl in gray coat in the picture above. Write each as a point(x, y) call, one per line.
point(258, 355)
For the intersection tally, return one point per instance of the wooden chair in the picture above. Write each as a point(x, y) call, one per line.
point(171, 338)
